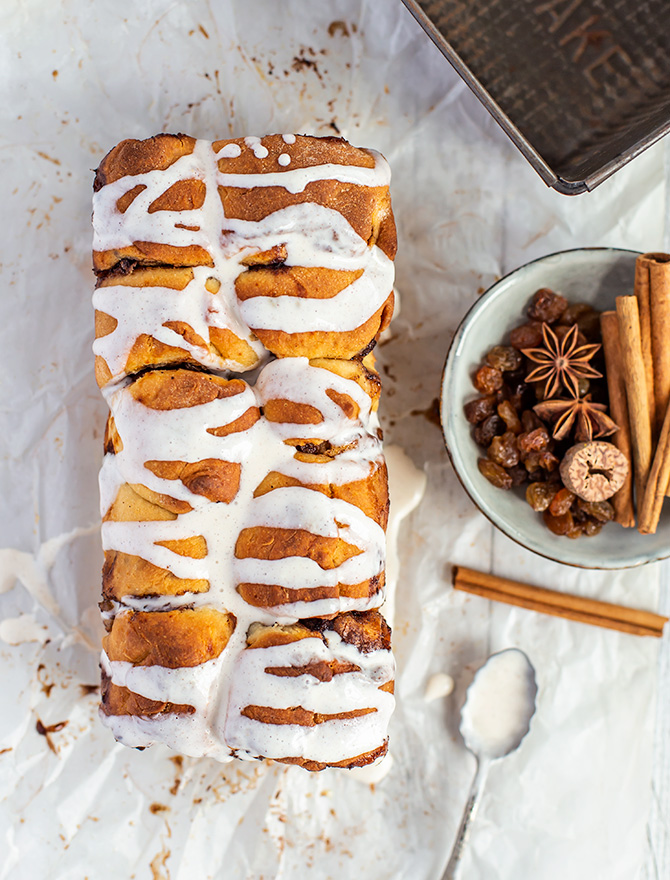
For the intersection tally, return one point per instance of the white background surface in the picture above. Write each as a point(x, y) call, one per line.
point(574, 801)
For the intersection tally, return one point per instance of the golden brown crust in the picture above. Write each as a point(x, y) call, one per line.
point(117, 700)
point(266, 542)
point(126, 575)
point(172, 277)
point(291, 412)
point(321, 344)
point(217, 480)
point(137, 157)
point(151, 253)
point(319, 669)
point(367, 630)
point(306, 152)
point(131, 506)
point(184, 637)
point(167, 502)
point(361, 372)
point(273, 595)
point(232, 347)
point(188, 637)
point(104, 324)
point(298, 715)
point(112, 442)
point(194, 547)
point(103, 374)
point(179, 389)
point(369, 495)
point(262, 635)
point(184, 195)
point(297, 281)
point(245, 421)
point(347, 764)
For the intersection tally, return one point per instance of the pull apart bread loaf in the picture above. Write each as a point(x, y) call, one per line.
point(243, 521)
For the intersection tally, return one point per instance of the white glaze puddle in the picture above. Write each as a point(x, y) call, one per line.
point(21, 629)
point(407, 484)
point(499, 705)
point(439, 685)
point(496, 716)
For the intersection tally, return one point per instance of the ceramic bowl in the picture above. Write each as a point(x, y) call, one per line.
point(593, 275)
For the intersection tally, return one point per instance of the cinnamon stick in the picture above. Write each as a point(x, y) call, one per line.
point(643, 296)
point(654, 271)
point(636, 390)
point(624, 512)
point(657, 484)
point(558, 604)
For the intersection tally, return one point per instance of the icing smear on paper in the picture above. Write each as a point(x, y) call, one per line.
point(24, 628)
point(32, 571)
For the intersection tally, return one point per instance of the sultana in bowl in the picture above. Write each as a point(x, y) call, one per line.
point(592, 275)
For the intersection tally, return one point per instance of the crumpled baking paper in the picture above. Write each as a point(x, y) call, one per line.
point(574, 801)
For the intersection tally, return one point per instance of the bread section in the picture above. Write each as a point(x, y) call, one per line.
point(242, 286)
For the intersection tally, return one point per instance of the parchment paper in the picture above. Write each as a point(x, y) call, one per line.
point(574, 801)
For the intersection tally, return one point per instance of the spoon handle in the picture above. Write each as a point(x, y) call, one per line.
point(469, 813)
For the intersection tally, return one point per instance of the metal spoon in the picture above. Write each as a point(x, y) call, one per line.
point(499, 705)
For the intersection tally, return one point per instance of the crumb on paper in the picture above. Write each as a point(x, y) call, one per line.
point(46, 686)
point(338, 27)
point(48, 158)
point(302, 63)
point(158, 864)
point(46, 732)
point(178, 761)
point(158, 808)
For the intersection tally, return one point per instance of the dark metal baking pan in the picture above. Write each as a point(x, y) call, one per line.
point(580, 86)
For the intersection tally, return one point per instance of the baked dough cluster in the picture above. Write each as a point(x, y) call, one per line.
point(242, 285)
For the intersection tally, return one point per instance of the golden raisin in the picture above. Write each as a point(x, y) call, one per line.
point(487, 379)
point(494, 473)
point(562, 502)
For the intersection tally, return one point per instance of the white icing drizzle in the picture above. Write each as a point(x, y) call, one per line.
point(347, 310)
point(330, 741)
point(257, 148)
point(187, 685)
point(297, 179)
point(288, 138)
point(181, 434)
point(148, 309)
point(230, 151)
point(189, 735)
point(313, 235)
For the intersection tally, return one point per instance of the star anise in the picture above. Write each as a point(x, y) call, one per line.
point(591, 418)
point(561, 362)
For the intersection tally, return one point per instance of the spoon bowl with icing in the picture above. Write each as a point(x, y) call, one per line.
point(495, 718)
